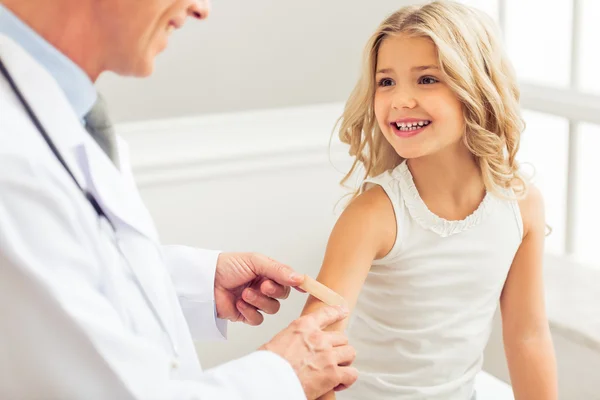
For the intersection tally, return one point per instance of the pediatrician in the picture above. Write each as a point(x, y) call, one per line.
point(92, 306)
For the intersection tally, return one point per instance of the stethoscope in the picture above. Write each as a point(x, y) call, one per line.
point(88, 196)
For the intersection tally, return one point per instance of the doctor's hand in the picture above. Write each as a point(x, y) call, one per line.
point(246, 283)
point(321, 359)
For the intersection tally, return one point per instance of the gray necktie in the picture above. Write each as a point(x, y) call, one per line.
point(99, 126)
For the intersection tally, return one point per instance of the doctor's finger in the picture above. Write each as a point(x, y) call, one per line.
point(344, 355)
point(250, 313)
point(336, 338)
point(275, 271)
point(260, 301)
point(274, 289)
point(347, 376)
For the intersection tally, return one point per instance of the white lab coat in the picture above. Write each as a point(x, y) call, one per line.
point(74, 320)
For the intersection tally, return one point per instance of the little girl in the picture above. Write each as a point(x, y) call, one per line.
point(444, 226)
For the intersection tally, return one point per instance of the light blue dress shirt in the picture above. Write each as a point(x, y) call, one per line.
point(78, 87)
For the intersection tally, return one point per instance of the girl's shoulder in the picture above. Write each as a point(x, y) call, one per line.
point(532, 210)
point(373, 211)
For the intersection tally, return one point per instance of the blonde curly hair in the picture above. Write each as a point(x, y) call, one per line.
point(477, 70)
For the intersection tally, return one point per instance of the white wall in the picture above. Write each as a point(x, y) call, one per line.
point(285, 213)
point(253, 54)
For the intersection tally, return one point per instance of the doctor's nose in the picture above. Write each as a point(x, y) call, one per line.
point(199, 9)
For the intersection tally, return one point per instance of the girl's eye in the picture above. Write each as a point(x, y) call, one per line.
point(428, 80)
point(385, 82)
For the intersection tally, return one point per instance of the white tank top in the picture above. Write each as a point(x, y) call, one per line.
point(424, 315)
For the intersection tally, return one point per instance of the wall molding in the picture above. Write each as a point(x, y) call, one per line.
point(564, 102)
point(181, 171)
point(180, 150)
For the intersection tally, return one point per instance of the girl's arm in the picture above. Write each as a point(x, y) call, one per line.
point(365, 231)
point(527, 339)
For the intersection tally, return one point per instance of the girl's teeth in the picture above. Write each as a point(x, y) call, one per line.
point(411, 126)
